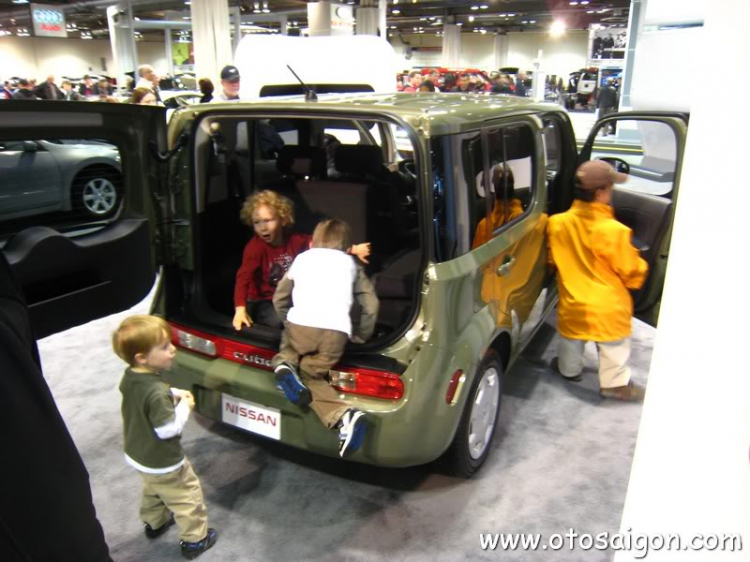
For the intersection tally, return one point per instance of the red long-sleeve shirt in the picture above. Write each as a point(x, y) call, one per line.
point(264, 265)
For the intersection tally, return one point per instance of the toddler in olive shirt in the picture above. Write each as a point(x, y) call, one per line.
point(152, 424)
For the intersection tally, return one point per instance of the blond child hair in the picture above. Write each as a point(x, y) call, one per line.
point(282, 205)
point(139, 334)
point(333, 234)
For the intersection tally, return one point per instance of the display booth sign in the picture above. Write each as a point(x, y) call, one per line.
point(607, 43)
point(48, 21)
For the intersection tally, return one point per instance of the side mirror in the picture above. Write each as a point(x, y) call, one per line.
point(30, 146)
point(617, 163)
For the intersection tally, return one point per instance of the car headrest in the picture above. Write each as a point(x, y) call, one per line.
point(302, 161)
point(359, 160)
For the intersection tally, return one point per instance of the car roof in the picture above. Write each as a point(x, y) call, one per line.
point(438, 113)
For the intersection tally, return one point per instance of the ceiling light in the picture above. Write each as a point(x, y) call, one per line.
point(525, 21)
point(532, 21)
point(590, 11)
point(188, 3)
point(20, 1)
point(512, 15)
point(584, 2)
point(471, 18)
point(394, 27)
point(574, 3)
point(395, 1)
point(475, 7)
point(557, 29)
point(395, 12)
point(483, 7)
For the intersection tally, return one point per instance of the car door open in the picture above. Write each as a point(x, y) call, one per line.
point(649, 147)
point(75, 266)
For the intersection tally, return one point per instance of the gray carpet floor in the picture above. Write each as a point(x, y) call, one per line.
point(561, 459)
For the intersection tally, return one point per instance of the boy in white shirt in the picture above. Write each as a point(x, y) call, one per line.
point(322, 283)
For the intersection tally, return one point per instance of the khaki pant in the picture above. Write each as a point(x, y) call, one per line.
point(613, 360)
point(178, 492)
point(319, 350)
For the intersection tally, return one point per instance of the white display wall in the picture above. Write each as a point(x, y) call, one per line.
point(37, 57)
point(561, 56)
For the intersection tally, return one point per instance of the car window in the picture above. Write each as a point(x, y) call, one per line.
point(70, 185)
point(351, 133)
point(551, 136)
point(510, 154)
point(473, 172)
point(648, 147)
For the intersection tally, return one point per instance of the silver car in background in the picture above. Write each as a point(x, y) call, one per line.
point(43, 176)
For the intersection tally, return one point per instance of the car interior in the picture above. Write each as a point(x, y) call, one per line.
point(341, 169)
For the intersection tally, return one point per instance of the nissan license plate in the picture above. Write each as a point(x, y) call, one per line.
point(251, 417)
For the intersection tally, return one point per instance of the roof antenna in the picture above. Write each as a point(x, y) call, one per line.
point(310, 95)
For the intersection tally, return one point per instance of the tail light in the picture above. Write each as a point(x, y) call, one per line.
point(367, 382)
point(194, 340)
point(360, 381)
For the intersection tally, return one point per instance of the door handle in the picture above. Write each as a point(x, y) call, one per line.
point(504, 268)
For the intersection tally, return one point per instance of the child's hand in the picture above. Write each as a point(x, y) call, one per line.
point(189, 399)
point(241, 317)
point(356, 339)
point(361, 251)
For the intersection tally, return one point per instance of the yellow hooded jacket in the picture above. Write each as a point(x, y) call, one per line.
point(596, 265)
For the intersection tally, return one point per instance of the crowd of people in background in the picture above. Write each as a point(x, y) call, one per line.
point(29, 89)
point(143, 91)
point(432, 80)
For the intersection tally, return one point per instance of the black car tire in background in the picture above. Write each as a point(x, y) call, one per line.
point(97, 191)
point(476, 430)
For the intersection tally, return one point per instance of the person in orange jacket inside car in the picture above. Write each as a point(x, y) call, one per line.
point(596, 266)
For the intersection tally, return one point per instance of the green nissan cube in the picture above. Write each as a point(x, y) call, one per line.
point(459, 255)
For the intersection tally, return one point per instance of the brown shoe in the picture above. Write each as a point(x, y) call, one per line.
point(630, 393)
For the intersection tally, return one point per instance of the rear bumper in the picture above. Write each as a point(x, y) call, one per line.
point(412, 431)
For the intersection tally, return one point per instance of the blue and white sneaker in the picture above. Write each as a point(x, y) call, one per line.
point(352, 430)
point(294, 389)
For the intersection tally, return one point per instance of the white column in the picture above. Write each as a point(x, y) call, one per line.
point(328, 18)
point(236, 22)
point(367, 20)
point(319, 18)
point(371, 17)
point(211, 39)
point(168, 49)
point(501, 50)
point(451, 44)
point(635, 27)
point(382, 13)
point(122, 39)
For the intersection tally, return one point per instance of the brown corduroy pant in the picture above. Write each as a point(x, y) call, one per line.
point(179, 492)
point(314, 351)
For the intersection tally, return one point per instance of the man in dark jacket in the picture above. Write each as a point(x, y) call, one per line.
point(49, 90)
point(46, 511)
point(88, 89)
point(607, 103)
point(520, 86)
point(24, 91)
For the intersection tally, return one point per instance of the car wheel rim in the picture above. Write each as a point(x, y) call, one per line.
point(99, 196)
point(484, 412)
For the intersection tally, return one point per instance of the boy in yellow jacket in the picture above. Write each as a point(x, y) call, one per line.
point(596, 266)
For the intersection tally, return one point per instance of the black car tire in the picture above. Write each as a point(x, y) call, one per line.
point(459, 460)
point(97, 192)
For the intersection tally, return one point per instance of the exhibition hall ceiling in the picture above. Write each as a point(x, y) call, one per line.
point(404, 16)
